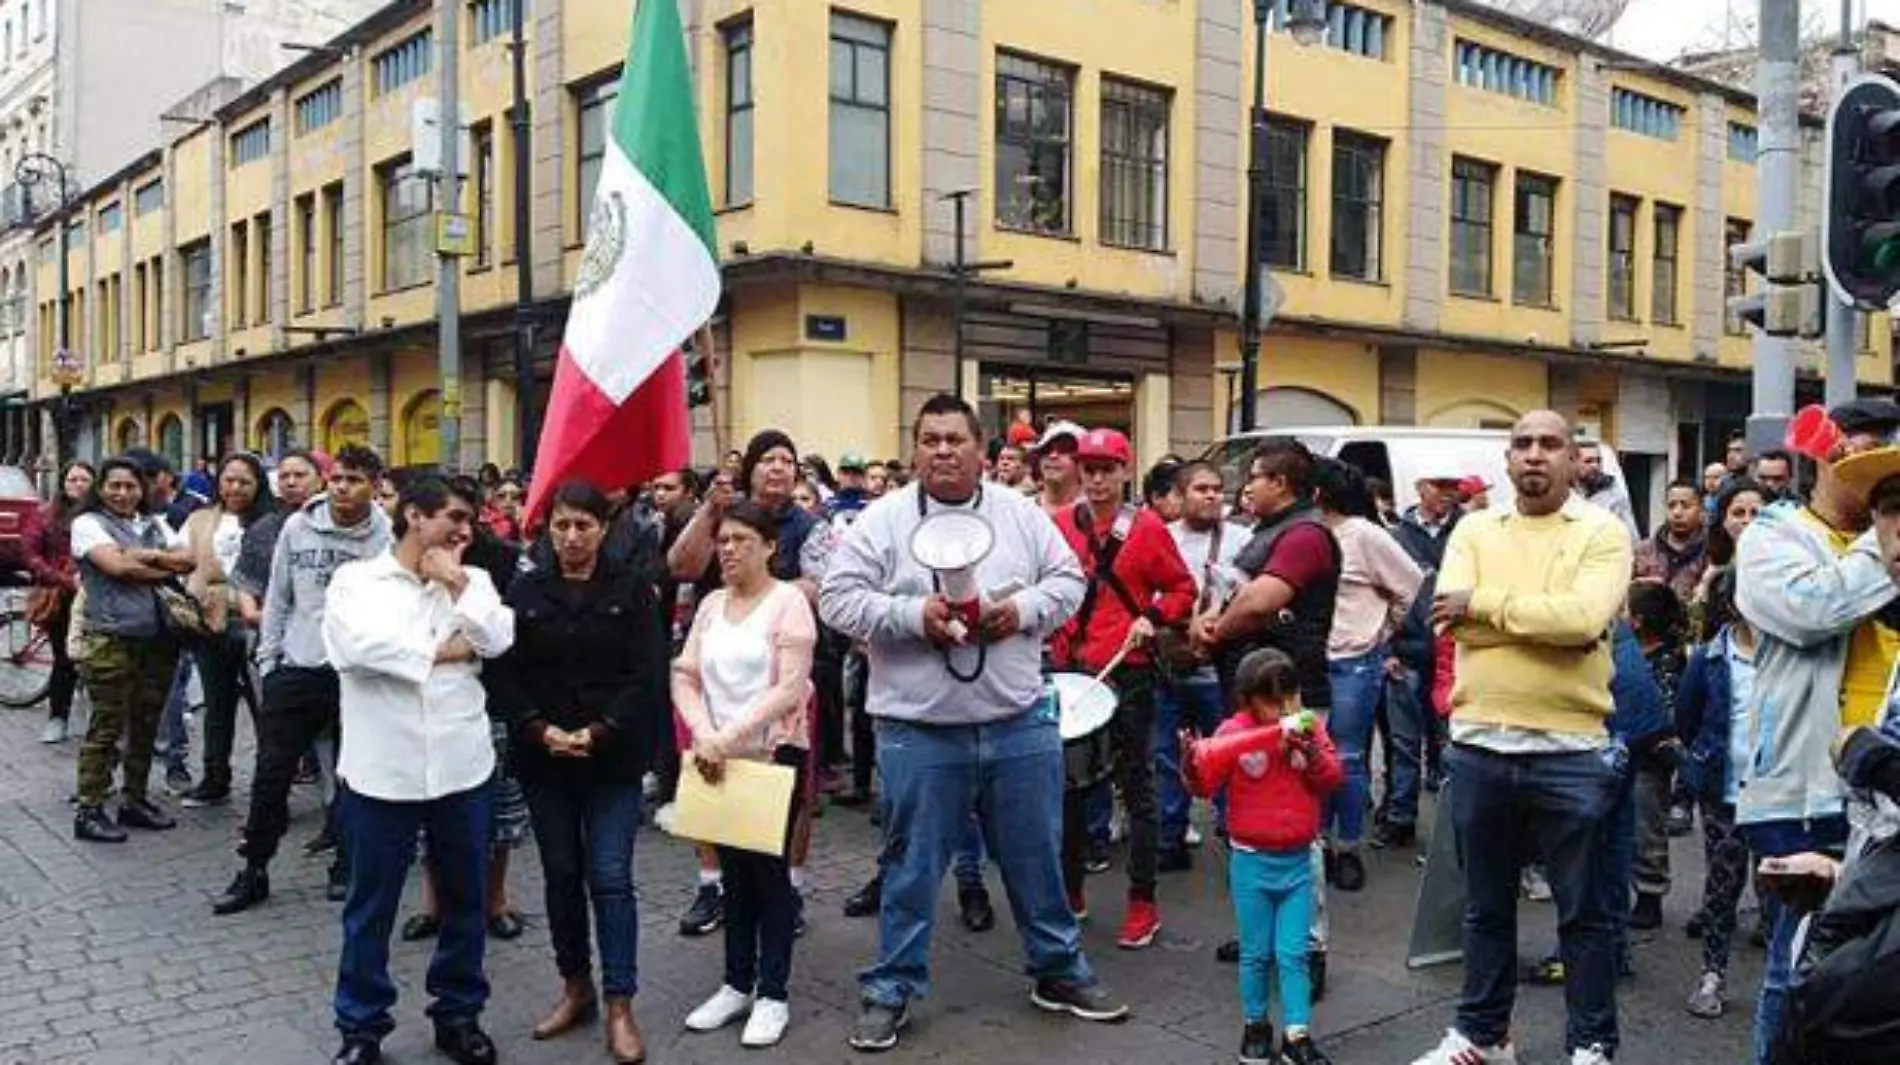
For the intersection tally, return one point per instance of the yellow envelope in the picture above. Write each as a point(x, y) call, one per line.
point(748, 809)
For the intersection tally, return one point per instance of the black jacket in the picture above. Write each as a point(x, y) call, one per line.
point(586, 656)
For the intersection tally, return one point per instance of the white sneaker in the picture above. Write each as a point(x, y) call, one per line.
point(767, 1024)
point(1457, 1050)
point(1590, 1055)
point(728, 1004)
point(1193, 837)
point(1707, 1001)
point(1536, 887)
point(55, 731)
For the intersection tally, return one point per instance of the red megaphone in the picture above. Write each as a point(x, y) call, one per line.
point(1813, 433)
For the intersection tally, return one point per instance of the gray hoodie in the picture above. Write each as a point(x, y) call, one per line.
point(307, 555)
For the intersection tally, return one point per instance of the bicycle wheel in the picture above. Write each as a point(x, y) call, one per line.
point(26, 661)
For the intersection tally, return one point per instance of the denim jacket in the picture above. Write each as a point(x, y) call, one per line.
point(1703, 718)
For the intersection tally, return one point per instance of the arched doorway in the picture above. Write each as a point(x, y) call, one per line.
point(276, 433)
point(346, 422)
point(422, 430)
point(129, 435)
point(171, 440)
point(1303, 406)
point(1473, 414)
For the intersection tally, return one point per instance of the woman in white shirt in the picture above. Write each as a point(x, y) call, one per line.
point(742, 685)
point(215, 535)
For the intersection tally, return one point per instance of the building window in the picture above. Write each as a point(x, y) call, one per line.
point(196, 263)
point(1622, 249)
point(1662, 274)
point(140, 294)
point(148, 198)
point(1734, 278)
point(860, 112)
point(333, 241)
point(1743, 142)
point(1646, 115)
point(483, 166)
point(1473, 185)
point(403, 63)
point(1358, 206)
point(260, 235)
point(1483, 67)
point(596, 112)
point(251, 143)
point(408, 208)
point(155, 337)
point(1034, 108)
point(738, 114)
point(489, 19)
point(238, 262)
point(1533, 226)
point(306, 254)
point(1135, 165)
point(319, 107)
point(1863, 333)
point(111, 218)
point(1282, 218)
point(1349, 28)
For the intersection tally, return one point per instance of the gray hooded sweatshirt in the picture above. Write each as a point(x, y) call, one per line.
point(307, 555)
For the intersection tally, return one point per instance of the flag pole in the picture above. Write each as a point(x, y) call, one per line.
point(713, 363)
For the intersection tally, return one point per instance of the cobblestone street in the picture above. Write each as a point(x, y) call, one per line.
point(109, 955)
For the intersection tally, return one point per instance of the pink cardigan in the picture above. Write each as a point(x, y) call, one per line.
point(781, 718)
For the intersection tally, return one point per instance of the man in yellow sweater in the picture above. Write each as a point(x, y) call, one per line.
point(1529, 592)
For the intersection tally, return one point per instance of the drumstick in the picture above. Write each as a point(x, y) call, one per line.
point(1127, 646)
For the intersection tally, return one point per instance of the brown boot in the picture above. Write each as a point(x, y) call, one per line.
point(624, 1041)
point(576, 1007)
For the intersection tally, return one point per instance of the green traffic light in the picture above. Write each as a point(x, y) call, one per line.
point(1886, 255)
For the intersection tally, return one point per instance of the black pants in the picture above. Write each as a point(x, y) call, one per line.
point(299, 706)
point(761, 909)
point(221, 671)
point(827, 677)
point(59, 697)
point(1132, 730)
point(863, 726)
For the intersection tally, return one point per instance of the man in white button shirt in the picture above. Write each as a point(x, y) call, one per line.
point(406, 632)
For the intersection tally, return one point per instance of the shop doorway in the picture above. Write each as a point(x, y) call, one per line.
point(1095, 401)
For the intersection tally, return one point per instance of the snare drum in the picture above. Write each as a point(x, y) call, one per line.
point(1085, 707)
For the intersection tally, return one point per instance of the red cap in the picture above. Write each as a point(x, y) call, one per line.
point(1104, 445)
point(1472, 486)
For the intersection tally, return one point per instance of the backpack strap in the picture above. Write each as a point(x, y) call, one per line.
point(1103, 573)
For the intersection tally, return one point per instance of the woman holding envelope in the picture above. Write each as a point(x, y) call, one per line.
point(742, 686)
point(584, 693)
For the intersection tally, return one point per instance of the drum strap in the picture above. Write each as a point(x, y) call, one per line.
point(1104, 555)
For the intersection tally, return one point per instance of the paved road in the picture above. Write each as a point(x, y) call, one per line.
point(110, 955)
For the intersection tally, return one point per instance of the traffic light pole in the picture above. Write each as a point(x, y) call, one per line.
point(1841, 316)
point(1777, 167)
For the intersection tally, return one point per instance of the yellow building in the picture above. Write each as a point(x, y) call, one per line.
point(1468, 216)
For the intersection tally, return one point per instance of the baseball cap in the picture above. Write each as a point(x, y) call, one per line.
point(852, 461)
point(1867, 415)
point(1059, 429)
point(1440, 473)
point(1104, 445)
point(1473, 485)
point(1862, 473)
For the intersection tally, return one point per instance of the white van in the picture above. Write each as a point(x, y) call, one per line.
point(1397, 455)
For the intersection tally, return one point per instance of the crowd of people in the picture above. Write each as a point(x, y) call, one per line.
point(1294, 650)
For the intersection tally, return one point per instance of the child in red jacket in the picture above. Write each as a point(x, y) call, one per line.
point(1278, 765)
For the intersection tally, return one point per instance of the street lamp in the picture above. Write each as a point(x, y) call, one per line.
point(33, 170)
point(1306, 21)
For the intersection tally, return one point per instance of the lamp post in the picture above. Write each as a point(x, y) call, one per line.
point(35, 169)
point(1306, 21)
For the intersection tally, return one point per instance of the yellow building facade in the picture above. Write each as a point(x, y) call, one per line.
point(1466, 216)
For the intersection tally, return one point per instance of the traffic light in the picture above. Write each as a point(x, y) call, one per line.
point(1789, 302)
point(1860, 232)
point(698, 375)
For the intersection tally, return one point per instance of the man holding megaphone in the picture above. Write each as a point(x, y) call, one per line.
point(952, 589)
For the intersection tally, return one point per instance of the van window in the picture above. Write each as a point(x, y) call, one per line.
point(1369, 457)
point(1233, 455)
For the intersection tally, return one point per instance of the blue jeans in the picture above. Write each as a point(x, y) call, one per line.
point(1405, 713)
point(1509, 810)
point(1619, 858)
point(1778, 839)
point(1273, 907)
point(382, 839)
point(1357, 683)
point(966, 866)
point(1010, 773)
point(174, 739)
point(1191, 702)
point(585, 833)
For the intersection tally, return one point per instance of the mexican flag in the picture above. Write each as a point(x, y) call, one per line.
point(648, 280)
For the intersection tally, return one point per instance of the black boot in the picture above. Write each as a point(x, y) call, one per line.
point(1647, 913)
point(868, 899)
point(91, 824)
point(250, 887)
point(145, 814)
point(337, 885)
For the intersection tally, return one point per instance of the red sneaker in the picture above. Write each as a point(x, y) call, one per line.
point(1140, 926)
point(1079, 904)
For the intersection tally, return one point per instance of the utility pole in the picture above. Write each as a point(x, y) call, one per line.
point(525, 429)
point(1777, 76)
point(961, 270)
point(448, 284)
point(1841, 315)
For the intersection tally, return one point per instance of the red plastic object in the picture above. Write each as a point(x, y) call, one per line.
point(1813, 433)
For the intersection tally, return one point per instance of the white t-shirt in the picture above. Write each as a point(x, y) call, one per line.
point(226, 540)
point(1195, 546)
point(89, 531)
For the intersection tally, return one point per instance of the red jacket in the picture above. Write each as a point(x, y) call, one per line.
point(1150, 568)
point(47, 543)
point(1271, 806)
